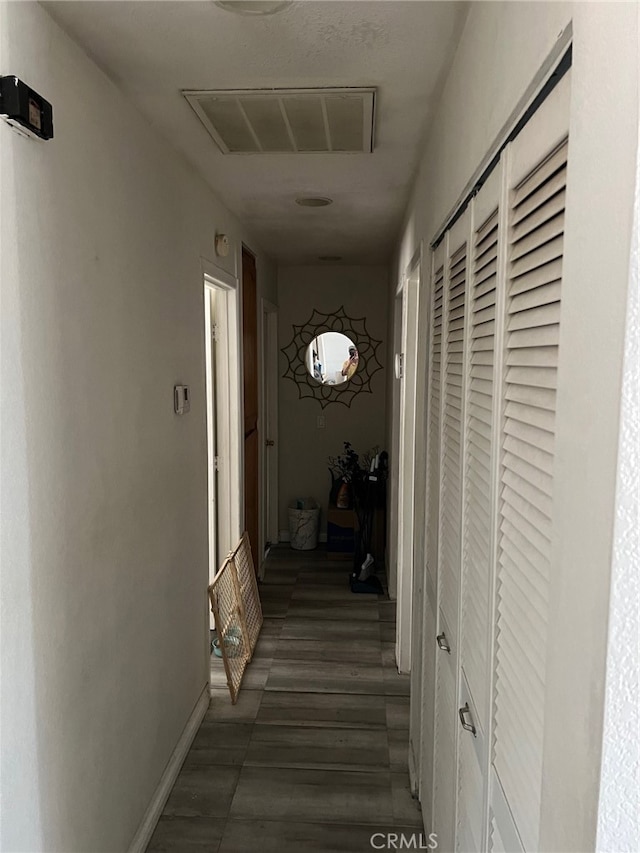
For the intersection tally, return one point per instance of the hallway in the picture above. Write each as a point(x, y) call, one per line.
point(314, 754)
point(453, 187)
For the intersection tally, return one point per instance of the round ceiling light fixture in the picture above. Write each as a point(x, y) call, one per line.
point(254, 7)
point(313, 201)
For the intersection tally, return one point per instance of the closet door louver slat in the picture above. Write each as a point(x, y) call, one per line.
point(543, 274)
point(536, 227)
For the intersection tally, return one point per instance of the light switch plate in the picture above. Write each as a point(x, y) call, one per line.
point(181, 399)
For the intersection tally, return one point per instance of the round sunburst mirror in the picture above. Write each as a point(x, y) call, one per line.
point(332, 358)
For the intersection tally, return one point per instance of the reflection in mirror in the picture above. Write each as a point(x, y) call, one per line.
point(332, 358)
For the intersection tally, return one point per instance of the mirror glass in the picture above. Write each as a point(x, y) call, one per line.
point(332, 358)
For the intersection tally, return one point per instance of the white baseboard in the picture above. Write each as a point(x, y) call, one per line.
point(161, 794)
point(283, 536)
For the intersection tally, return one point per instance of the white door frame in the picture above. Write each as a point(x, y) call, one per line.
point(228, 405)
point(268, 429)
point(393, 555)
point(409, 294)
point(210, 346)
point(419, 517)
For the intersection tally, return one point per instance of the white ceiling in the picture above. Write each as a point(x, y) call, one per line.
point(153, 50)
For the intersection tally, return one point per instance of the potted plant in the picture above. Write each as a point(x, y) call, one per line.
point(343, 470)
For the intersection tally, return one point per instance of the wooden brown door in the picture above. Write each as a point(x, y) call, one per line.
point(251, 436)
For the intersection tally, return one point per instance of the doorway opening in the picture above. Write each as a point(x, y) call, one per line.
point(269, 429)
point(252, 436)
point(223, 407)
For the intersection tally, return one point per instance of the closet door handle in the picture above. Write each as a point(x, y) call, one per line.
point(442, 643)
point(469, 727)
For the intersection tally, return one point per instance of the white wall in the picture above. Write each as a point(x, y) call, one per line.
point(501, 50)
point(304, 449)
point(104, 490)
point(618, 814)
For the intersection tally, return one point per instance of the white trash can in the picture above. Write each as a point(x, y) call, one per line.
point(304, 520)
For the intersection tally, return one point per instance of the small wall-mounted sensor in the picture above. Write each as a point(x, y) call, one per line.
point(24, 109)
point(181, 399)
point(222, 245)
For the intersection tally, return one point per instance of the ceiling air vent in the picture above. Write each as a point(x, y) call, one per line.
point(277, 121)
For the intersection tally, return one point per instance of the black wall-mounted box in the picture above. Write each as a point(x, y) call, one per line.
point(23, 106)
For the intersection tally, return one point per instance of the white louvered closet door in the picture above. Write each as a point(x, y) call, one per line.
point(537, 180)
point(478, 545)
point(449, 533)
point(434, 417)
point(430, 603)
point(452, 429)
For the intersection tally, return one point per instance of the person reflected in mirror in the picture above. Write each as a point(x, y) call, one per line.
point(317, 367)
point(351, 364)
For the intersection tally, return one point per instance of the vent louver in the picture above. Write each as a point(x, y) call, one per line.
point(278, 121)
